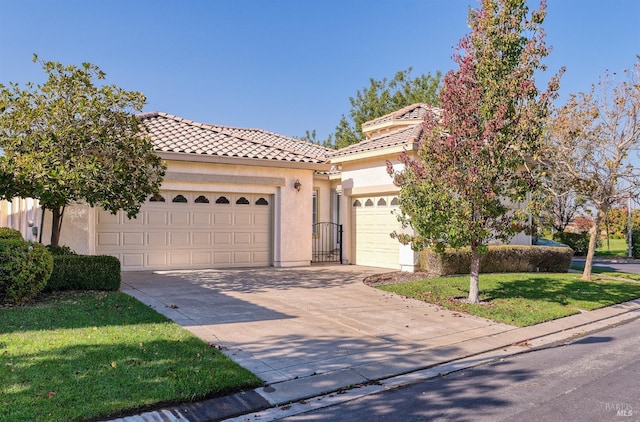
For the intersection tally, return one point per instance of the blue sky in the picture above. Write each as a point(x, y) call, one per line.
point(285, 65)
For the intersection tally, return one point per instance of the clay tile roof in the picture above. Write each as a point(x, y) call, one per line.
point(170, 133)
point(401, 137)
point(411, 112)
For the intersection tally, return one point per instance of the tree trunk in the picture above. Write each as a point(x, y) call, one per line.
point(586, 275)
point(56, 224)
point(474, 275)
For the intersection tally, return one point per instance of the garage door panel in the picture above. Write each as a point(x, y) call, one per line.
point(242, 257)
point(261, 238)
point(261, 256)
point(133, 239)
point(201, 258)
point(242, 219)
point(138, 221)
point(261, 219)
point(157, 239)
point(242, 238)
point(157, 217)
point(222, 258)
point(108, 239)
point(201, 218)
point(178, 218)
point(133, 259)
point(179, 259)
point(222, 239)
point(200, 239)
point(157, 259)
point(105, 217)
point(223, 219)
point(182, 235)
point(178, 239)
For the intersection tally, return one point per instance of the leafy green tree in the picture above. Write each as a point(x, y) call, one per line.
point(382, 97)
point(472, 163)
point(593, 135)
point(70, 140)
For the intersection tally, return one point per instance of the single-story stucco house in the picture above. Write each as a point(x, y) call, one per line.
point(235, 197)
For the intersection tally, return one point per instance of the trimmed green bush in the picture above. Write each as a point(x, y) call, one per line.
point(60, 250)
point(7, 233)
point(579, 242)
point(498, 259)
point(84, 272)
point(25, 268)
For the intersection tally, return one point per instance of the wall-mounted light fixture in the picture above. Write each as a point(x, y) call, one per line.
point(297, 185)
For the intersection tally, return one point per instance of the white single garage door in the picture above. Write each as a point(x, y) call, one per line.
point(185, 230)
point(373, 220)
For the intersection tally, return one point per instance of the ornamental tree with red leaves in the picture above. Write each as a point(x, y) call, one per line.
point(471, 172)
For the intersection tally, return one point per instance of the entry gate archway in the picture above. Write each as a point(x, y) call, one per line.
point(327, 242)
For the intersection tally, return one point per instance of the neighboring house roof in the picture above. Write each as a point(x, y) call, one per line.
point(170, 133)
point(406, 116)
point(403, 137)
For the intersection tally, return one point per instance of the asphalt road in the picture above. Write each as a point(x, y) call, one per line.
point(594, 378)
point(633, 266)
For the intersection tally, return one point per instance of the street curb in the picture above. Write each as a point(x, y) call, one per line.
point(307, 404)
point(260, 405)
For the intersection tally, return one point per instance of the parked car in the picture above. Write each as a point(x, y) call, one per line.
point(541, 241)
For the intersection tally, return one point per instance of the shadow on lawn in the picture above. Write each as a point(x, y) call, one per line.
point(563, 292)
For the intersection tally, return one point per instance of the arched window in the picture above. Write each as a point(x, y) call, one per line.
point(222, 200)
point(180, 199)
point(262, 201)
point(394, 201)
point(357, 203)
point(157, 198)
point(382, 202)
point(242, 201)
point(369, 203)
point(202, 200)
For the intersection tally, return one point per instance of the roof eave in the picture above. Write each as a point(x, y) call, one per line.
point(379, 152)
point(389, 124)
point(215, 159)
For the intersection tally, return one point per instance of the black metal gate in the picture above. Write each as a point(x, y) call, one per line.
point(327, 242)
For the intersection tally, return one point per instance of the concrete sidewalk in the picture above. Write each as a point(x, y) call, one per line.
point(315, 331)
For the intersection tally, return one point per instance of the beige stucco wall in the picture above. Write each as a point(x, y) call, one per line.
point(20, 214)
point(78, 224)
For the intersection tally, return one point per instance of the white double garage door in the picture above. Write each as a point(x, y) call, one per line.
point(188, 230)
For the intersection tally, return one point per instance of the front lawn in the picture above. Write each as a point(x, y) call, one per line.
point(615, 247)
point(521, 299)
point(607, 272)
point(79, 356)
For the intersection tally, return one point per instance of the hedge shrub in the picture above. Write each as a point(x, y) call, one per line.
point(498, 259)
point(60, 250)
point(635, 243)
point(7, 233)
point(84, 272)
point(25, 268)
point(579, 242)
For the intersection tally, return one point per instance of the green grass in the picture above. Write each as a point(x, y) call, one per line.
point(521, 299)
point(610, 273)
point(81, 356)
point(617, 247)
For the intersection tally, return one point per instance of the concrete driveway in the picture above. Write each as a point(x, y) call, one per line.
point(289, 323)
